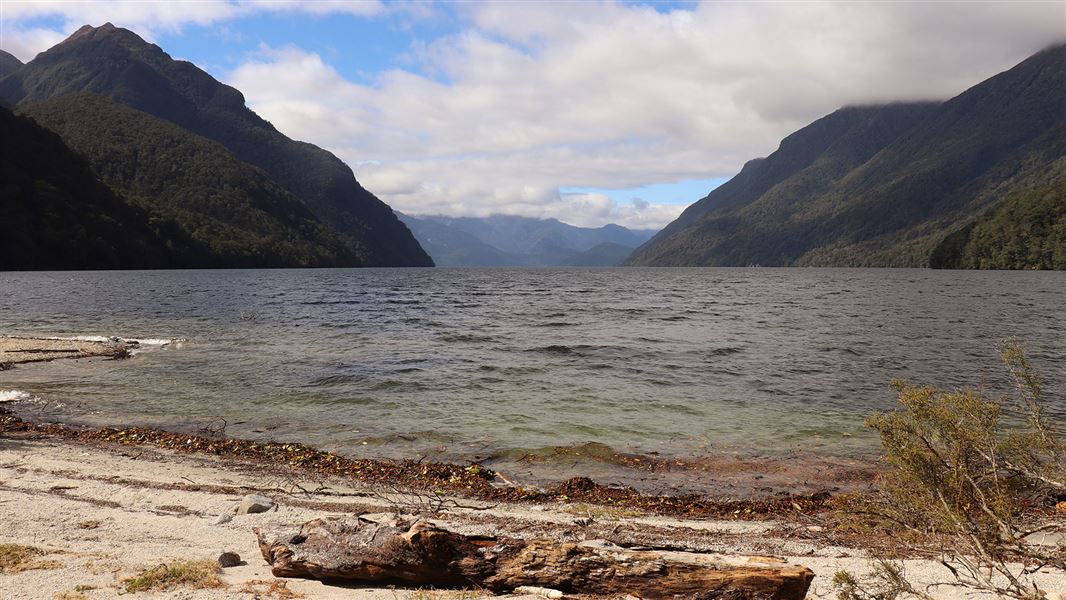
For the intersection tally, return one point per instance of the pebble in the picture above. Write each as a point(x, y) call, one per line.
point(538, 591)
point(223, 518)
point(254, 503)
point(229, 559)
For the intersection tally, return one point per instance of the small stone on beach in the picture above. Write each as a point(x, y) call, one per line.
point(223, 518)
point(254, 503)
point(229, 559)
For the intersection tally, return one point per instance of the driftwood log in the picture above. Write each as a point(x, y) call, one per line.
point(394, 551)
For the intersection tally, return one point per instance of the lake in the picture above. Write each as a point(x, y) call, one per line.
point(498, 364)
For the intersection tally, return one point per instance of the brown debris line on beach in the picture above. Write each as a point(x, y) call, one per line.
point(19, 350)
point(471, 481)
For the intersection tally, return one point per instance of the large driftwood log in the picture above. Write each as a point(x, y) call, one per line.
point(397, 552)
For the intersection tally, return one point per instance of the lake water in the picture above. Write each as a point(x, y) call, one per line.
point(488, 364)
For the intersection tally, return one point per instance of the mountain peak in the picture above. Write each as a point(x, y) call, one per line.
point(118, 64)
point(106, 32)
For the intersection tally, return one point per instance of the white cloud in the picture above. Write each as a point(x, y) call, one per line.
point(26, 42)
point(148, 18)
point(534, 97)
point(530, 98)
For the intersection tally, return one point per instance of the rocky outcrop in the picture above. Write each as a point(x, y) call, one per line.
point(418, 553)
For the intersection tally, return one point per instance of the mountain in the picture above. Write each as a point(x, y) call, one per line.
point(604, 254)
point(452, 247)
point(881, 185)
point(56, 214)
point(118, 64)
point(232, 213)
point(504, 240)
point(1025, 231)
point(8, 64)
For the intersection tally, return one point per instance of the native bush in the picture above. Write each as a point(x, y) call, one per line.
point(967, 474)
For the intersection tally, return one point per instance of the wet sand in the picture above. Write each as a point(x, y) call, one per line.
point(20, 350)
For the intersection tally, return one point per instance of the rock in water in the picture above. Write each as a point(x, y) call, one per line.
point(229, 559)
point(254, 503)
point(419, 553)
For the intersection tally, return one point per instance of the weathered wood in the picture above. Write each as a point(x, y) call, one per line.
point(421, 554)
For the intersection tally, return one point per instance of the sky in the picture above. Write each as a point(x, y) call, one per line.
point(588, 112)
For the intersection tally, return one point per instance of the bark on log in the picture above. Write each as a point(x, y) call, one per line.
point(420, 554)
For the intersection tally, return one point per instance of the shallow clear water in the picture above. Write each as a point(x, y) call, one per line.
point(479, 362)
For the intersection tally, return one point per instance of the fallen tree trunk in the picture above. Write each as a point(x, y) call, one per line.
point(394, 551)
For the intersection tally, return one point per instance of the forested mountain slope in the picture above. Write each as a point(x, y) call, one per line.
point(118, 64)
point(883, 185)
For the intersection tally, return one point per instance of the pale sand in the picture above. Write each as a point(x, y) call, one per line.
point(152, 506)
point(18, 350)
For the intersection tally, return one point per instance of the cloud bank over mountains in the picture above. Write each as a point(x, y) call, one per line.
point(522, 101)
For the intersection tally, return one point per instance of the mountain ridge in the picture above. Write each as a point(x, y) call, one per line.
point(509, 240)
point(892, 207)
point(118, 64)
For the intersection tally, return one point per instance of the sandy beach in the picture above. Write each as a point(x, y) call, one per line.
point(103, 513)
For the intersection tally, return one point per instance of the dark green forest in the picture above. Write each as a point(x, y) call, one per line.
point(118, 64)
point(55, 213)
point(1025, 231)
point(233, 211)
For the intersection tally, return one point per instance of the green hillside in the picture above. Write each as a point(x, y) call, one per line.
point(1025, 231)
point(56, 214)
point(880, 186)
point(118, 64)
point(232, 211)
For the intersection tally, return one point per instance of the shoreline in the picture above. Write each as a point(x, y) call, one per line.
point(103, 510)
point(471, 480)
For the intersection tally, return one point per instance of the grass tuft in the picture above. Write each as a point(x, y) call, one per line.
point(197, 574)
point(16, 558)
point(605, 513)
point(273, 590)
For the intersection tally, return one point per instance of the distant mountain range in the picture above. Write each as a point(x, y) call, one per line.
point(974, 182)
point(502, 240)
point(185, 151)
